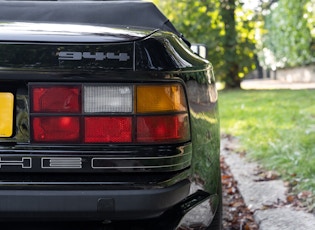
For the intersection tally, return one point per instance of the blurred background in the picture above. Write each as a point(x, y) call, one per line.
point(249, 38)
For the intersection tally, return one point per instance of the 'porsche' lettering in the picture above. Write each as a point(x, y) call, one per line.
point(97, 56)
point(23, 162)
point(45, 162)
point(62, 163)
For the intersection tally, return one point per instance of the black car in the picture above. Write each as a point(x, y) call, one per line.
point(106, 116)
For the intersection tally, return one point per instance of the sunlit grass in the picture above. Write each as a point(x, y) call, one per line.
point(276, 128)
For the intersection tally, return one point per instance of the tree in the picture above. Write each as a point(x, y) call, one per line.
point(226, 30)
point(287, 41)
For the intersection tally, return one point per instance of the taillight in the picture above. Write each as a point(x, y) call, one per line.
point(108, 99)
point(107, 129)
point(87, 113)
point(160, 98)
point(56, 129)
point(56, 99)
point(168, 128)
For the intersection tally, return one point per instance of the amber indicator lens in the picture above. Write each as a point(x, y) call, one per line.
point(6, 114)
point(160, 98)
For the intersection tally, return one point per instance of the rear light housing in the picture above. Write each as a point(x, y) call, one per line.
point(108, 113)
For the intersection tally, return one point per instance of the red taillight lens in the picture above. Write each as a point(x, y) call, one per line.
point(162, 128)
point(56, 99)
point(56, 129)
point(107, 129)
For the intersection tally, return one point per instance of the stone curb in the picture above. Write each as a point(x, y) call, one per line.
point(260, 196)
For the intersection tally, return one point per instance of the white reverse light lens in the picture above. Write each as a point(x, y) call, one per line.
point(98, 99)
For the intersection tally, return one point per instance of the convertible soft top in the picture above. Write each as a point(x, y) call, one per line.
point(109, 13)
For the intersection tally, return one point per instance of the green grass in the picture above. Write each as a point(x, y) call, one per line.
point(276, 128)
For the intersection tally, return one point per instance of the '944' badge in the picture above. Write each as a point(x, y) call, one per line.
point(97, 56)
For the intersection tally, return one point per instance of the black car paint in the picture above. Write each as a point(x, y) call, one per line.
point(157, 57)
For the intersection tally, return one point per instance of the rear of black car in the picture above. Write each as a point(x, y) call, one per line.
point(101, 122)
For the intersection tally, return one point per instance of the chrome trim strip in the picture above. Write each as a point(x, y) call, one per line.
point(177, 162)
point(146, 158)
point(183, 164)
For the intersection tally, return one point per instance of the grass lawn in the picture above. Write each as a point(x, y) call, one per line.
point(276, 128)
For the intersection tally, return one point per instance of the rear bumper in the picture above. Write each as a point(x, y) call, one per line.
point(87, 205)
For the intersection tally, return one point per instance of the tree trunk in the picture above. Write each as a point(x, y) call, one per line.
point(232, 79)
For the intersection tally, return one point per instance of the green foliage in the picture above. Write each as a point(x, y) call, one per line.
point(285, 33)
point(202, 22)
point(310, 16)
point(276, 128)
point(288, 39)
